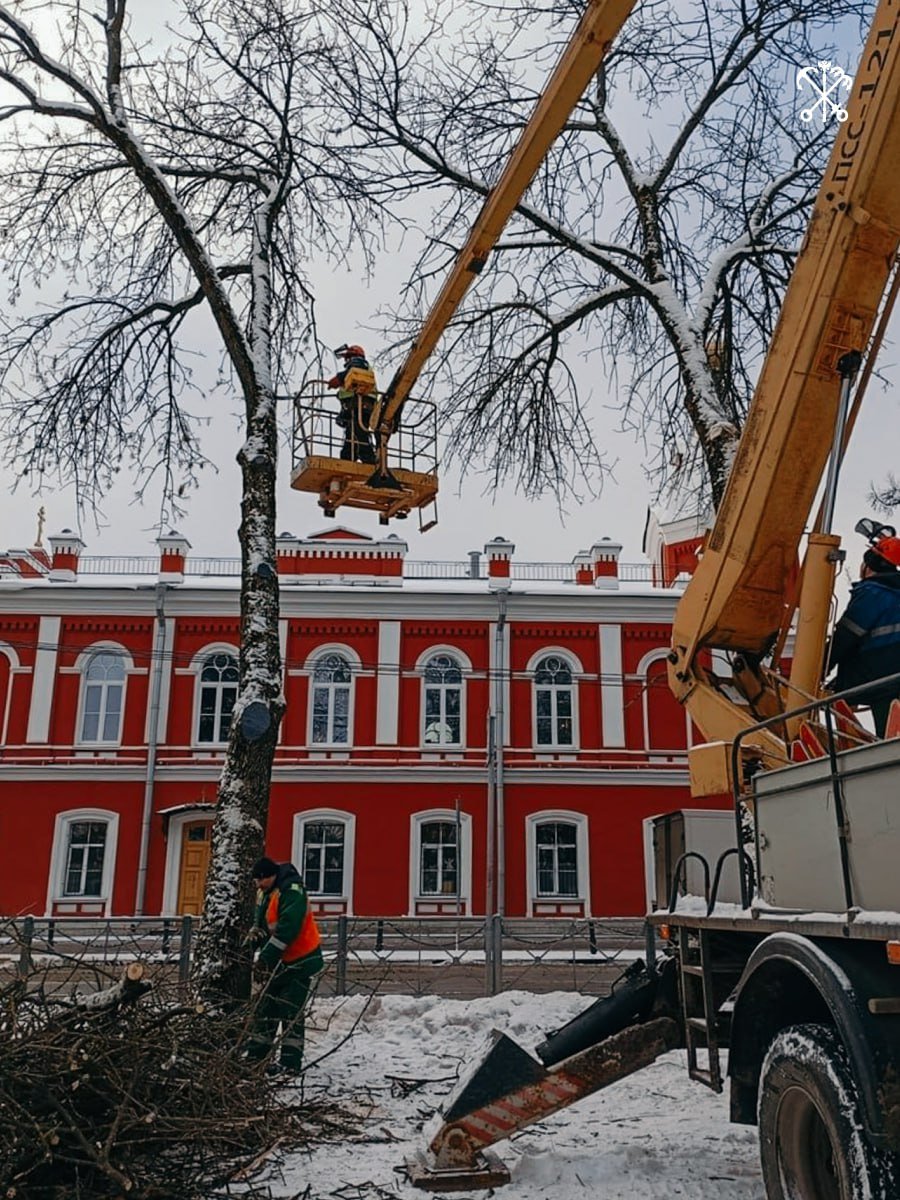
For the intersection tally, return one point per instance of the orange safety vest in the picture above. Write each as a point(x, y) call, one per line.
point(307, 940)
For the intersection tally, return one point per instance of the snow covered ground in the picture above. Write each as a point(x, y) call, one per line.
point(656, 1135)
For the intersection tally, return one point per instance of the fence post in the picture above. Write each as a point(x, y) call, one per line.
point(25, 947)
point(340, 962)
point(184, 954)
point(488, 957)
point(493, 953)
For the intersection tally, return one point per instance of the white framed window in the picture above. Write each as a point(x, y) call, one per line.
point(217, 689)
point(323, 849)
point(555, 700)
point(332, 671)
point(556, 858)
point(557, 853)
point(104, 669)
point(85, 855)
point(83, 858)
point(439, 858)
point(443, 706)
point(103, 693)
point(440, 867)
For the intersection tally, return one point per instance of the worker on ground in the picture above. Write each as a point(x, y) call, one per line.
point(866, 643)
point(357, 398)
point(288, 961)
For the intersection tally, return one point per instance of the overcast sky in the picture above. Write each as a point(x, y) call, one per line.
point(347, 308)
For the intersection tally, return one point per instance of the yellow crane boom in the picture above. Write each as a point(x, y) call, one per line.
point(737, 598)
point(595, 32)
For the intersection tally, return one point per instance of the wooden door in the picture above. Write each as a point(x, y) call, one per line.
point(195, 851)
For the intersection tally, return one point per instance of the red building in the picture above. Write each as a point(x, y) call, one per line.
point(438, 715)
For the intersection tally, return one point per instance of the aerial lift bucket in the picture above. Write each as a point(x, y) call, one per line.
point(511, 1088)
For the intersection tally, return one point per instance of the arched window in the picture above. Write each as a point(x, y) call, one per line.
point(556, 858)
point(332, 682)
point(102, 695)
point(218, 692)
point(554, 702)
point(442, 701)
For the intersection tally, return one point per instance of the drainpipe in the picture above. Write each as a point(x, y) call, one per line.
point(159, 643)
point(500, 668)
point(491, 813)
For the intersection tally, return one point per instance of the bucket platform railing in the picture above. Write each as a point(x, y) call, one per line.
point(336, 457)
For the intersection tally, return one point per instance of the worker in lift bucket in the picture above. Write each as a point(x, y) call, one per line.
point(866, 643)
point(355, 382)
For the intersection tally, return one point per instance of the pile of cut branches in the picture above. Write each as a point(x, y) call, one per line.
point(131, 1091)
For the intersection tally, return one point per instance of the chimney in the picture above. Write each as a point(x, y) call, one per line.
point(605, 560)
point(584, 568)
point(173, 548)
point(65, 550)
point(287, 554)
point(499, 554)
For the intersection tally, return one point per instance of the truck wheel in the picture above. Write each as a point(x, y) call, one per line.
point(811, 1140)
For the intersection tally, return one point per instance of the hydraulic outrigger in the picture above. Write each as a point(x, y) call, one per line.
point(511, 1088)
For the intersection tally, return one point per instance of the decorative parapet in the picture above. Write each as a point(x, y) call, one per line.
point(340, 555)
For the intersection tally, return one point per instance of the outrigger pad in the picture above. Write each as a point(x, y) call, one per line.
point(489, 1172)
point(504, 1067)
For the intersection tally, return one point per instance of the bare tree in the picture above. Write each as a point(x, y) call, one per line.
point(143, 187)
point(656, 241)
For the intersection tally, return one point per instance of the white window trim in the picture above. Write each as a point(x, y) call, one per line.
point(465, 666)
point(348, 820)
point(417, 820)
point(14, 668)
point(309, 668)
point(643, 667)
point(55, 881)
point(81, 664)
point(175, 838)
point(582, 857)
point(577, 673)
point(198, 662)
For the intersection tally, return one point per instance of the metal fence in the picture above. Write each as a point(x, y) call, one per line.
point(229, 567)
point(32, 943)
point(446, 956)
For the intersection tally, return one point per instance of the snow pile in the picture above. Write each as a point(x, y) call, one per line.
point(654, 1136)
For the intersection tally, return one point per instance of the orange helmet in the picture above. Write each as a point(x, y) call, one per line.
point(346, 351)
point(889, 549)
